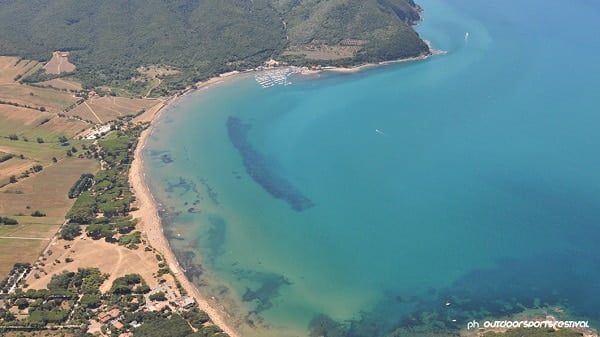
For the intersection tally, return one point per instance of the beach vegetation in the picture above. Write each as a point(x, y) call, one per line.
point(104, 200)
point(196, 317)
point(130, 239)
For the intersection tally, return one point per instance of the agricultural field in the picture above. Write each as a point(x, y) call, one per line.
point(63, 84)
point(33, 98)
point(14, 166)
point(12, 250)
point(42, 154)
point(104, 109)
point(46, 99)
point(11, 67)
point(34, 124)
point(45, 191)
point(59, 64)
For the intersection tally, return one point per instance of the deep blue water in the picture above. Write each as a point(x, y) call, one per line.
point(482, 188)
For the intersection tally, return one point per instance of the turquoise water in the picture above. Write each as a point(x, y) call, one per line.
point(481, 188)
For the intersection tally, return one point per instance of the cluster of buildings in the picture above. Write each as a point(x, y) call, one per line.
point(114, 316)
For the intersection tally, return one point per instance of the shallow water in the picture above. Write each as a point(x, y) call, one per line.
point(481, 188)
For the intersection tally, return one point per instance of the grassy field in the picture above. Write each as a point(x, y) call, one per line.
point(14, 250)
point(31, 150)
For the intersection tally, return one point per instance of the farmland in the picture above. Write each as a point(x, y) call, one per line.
point(45, 191)
point(38, 164)
point(104, 109)
point(41, 157)
point(34, 124)
point(59, 63)
point(11, 67)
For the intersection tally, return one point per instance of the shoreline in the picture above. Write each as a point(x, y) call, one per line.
point(432, 52)
point(150, 223)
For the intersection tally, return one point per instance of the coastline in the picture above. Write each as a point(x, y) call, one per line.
point(432, 52)
point(150, 223)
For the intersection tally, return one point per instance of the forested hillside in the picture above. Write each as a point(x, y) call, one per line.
point(109, 40)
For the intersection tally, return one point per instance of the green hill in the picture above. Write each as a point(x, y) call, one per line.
point(108, 40)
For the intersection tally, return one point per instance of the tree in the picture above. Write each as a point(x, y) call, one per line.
point(90, 301)
point(98, 231)
point(70, 231)
point(21, 303)
point(159, 296)
point(8, 221)
point(12, 179)
point(40, 140)
point(38, 214)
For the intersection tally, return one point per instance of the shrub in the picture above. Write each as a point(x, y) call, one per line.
point(8, 221)
point(38, 214)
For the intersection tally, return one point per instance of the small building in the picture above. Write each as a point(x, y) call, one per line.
point(118, 325)
point(184, 302)
point(114, 313)
point(104, 317)
point(157, 306)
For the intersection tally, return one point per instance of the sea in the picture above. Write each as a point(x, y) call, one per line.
point(406, 199)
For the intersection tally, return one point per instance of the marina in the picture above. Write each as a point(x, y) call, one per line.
point(270, 78)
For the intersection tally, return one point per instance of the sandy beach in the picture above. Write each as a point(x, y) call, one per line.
point(150, 223)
